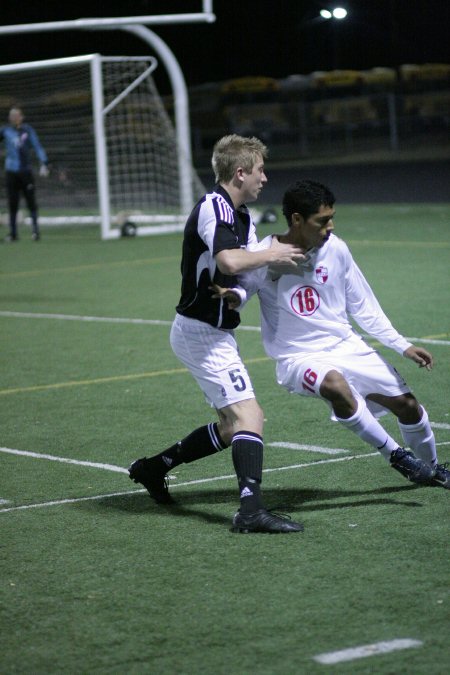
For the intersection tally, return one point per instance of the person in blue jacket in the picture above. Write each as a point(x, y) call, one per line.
point(20, 139)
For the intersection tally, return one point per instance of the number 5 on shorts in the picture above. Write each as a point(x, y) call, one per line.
point(309, 378)
point(237, 379)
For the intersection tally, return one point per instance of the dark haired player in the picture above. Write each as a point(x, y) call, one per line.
point(305, 321)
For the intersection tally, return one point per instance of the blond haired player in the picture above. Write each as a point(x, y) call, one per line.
point(216, 243)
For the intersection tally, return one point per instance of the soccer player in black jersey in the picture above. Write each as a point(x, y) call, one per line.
point(217, 243)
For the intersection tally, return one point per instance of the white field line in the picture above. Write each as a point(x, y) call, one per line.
point(363, 651)
point(439, 425)
point(333, 451)
point(308, 448)
point(53, 458)
point(187, 483)
point(72, 317)
point(120, 469)
point(156, 322)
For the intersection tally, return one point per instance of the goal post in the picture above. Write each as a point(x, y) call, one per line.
point(112, 147)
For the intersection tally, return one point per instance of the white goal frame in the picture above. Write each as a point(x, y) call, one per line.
point(144, 223)
point(137, 25)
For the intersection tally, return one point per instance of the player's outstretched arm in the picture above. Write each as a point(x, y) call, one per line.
point(420, 356)
point(237, 260)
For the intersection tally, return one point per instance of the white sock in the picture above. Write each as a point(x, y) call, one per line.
point(420, 438)
point(364, 425)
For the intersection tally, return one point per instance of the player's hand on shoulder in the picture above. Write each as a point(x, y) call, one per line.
point(420, 356)
point(284, 254)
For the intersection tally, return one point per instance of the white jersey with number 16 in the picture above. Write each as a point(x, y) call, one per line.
point(308, 310)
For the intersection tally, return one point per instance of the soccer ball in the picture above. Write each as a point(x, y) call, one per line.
point(128, 229)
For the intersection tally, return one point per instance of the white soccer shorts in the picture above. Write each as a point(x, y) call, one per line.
point(365, 370)
point(212, 356)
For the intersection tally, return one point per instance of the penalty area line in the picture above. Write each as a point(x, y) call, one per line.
point(331, 658)
point(74, 500)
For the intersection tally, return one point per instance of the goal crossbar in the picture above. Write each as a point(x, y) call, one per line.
point(110, 22)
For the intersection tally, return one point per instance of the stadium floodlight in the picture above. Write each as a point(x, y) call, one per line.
point(338, 13)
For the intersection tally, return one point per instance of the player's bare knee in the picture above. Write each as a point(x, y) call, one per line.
point(409, 409)
point(334, 386)
point(249, 416)
point(245, 414)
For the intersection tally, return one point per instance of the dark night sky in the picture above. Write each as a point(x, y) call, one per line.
point(273, 38)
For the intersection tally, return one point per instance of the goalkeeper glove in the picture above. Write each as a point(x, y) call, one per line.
point(43, 170)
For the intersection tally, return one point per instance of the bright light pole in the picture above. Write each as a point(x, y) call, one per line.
point(338, 13)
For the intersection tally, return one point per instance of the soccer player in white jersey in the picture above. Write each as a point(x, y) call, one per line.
point(215, 249)
point(306, 329)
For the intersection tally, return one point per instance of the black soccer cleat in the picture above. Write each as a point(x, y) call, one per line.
point(142, 471)
point(263, 521)
point(441, 476)
point(414, 469)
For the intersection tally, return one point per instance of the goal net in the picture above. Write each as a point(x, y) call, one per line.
point(112, 148)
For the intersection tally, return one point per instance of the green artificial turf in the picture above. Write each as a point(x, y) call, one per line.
point(95, 578)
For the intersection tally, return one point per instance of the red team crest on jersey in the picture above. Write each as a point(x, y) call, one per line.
point(305, 300)
point(321, 274)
